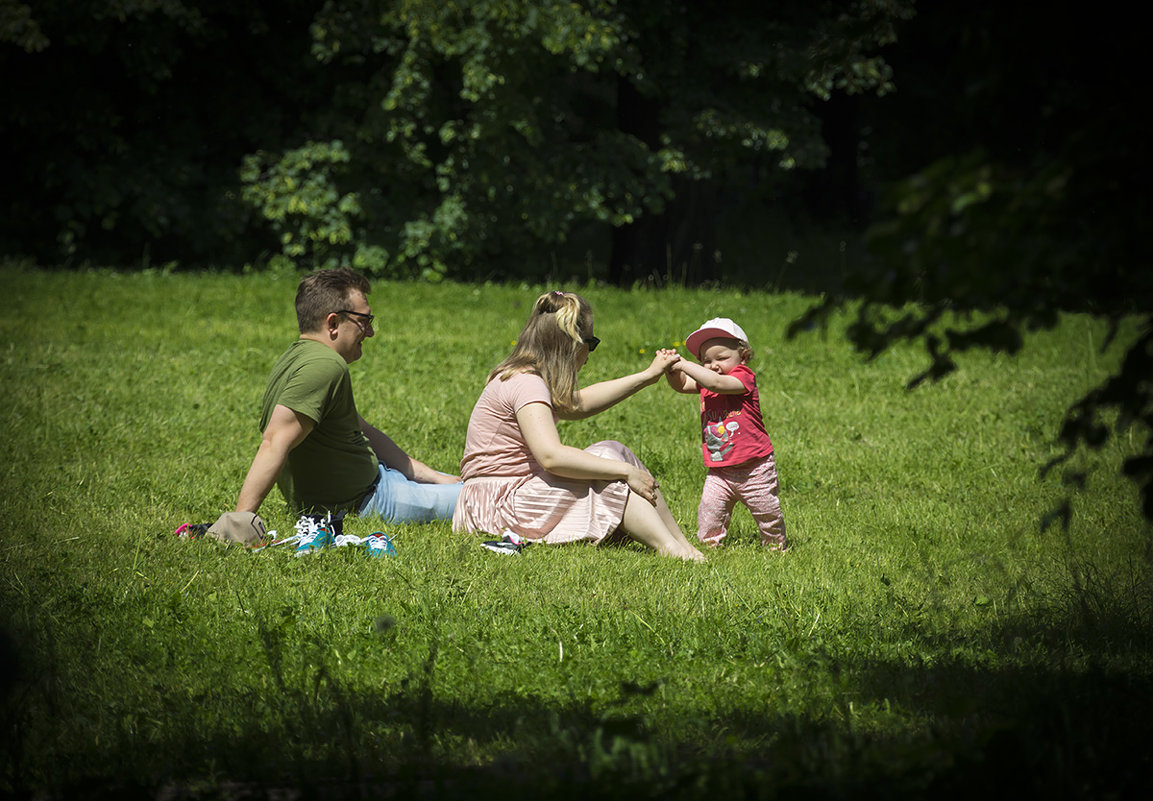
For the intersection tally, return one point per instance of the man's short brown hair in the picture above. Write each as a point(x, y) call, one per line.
point(326, 291)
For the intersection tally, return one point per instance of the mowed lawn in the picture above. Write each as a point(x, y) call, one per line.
point(923, 636)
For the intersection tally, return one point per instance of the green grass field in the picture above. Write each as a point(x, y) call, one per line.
point(922, 637)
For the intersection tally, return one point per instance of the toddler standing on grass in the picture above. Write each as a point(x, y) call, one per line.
point(736, 447)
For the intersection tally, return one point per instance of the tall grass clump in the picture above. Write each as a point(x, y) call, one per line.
point(923, 635)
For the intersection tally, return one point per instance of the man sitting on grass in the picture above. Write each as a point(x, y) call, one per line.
point(316, 447)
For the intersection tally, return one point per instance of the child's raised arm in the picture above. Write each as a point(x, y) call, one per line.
point(677, 378)
point(697, 375)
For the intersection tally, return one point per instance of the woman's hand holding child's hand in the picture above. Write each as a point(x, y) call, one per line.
point(664, 360)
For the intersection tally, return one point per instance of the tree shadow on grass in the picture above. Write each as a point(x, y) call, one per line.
point(1067, 712)
point(1073, 726)
point(1052, 733)
point(1055, 705)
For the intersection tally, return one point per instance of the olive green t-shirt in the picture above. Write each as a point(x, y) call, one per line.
point(334, 467)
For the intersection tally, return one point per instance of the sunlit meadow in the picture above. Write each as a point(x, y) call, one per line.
point(922, 634)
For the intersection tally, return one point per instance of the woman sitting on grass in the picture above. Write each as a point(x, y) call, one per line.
point(518, 476)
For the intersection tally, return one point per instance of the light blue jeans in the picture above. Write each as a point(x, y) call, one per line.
point(396, 499)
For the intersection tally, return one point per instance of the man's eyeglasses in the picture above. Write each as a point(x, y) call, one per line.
point(368, 318)
point(592, 342)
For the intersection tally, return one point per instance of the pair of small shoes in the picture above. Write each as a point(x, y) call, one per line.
point(510, 543)
point(314, 535)
point(378, 544)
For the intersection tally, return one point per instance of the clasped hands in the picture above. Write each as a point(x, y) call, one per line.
point(664, 360)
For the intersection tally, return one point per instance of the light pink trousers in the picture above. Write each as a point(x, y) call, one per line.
point(755, 485)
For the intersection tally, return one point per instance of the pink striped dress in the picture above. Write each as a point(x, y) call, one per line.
point(506, 490)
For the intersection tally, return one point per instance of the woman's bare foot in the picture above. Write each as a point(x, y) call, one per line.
point(688, 553)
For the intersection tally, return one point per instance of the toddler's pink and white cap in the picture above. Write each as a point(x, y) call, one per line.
point(718, 327)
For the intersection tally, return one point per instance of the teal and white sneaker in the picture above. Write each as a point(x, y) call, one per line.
point(314, 535)
point(380, 544)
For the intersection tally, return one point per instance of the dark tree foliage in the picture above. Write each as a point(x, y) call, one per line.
point(746, 66)
point(486, 136)
point(1015, 158)
point(129, 119)
point(431, 137)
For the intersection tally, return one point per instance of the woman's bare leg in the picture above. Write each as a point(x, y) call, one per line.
point(671, 522)
point(647, 525)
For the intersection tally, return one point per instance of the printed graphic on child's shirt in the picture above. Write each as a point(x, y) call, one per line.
point(732, 430)
point(719, 438)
